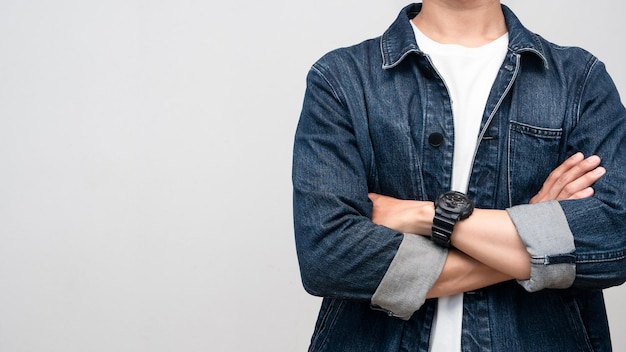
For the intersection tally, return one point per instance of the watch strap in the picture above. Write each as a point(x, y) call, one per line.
point(442, 229)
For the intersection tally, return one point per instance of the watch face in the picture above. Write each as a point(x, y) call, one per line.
point(455, 202)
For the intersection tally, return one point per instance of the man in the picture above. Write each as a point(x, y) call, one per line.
point(459, 96)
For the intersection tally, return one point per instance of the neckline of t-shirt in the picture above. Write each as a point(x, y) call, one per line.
point(431, 46)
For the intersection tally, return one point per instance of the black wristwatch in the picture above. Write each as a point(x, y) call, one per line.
point(450, 207)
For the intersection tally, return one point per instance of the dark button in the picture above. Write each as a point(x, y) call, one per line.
point(435, 139)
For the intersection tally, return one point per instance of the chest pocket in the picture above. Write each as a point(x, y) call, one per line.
point(533, 153)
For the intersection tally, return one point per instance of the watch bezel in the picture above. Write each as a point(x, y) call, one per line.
point(455, 202)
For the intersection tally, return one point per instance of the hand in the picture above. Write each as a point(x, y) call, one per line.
point(571, 180)
point(406, 216)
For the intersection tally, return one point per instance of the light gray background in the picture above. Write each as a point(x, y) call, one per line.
point(145, 146)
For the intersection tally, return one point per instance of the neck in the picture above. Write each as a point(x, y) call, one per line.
point(469, 23)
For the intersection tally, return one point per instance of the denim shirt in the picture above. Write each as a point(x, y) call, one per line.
point(377, 118)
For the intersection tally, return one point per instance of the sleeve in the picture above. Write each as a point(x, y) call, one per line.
point(550, 243)
point(582, 243)
point(341, 252)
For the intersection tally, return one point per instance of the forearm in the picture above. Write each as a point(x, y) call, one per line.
point(490, 237)
point(462, 273)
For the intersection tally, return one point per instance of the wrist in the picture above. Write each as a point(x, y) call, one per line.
point(424, 219)
point(418, 219)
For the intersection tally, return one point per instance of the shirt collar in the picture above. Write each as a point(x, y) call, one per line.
point(399, 40)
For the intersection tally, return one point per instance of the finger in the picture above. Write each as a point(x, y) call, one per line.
point(572, 174)
point(559, 185)
point(582, 183)
point(577, 172)
point(557, 173)
point(585, 193)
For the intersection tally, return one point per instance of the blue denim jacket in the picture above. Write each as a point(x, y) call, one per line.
point(377, 118)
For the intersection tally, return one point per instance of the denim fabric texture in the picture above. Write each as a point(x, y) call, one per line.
point(367, 116)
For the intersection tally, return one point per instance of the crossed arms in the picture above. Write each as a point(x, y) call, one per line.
point(487, 248)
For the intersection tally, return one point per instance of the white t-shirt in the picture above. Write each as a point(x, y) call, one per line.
point(468, 74)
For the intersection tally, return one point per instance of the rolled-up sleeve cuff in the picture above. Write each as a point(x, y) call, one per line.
point(413, 271)
point(544, 230)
